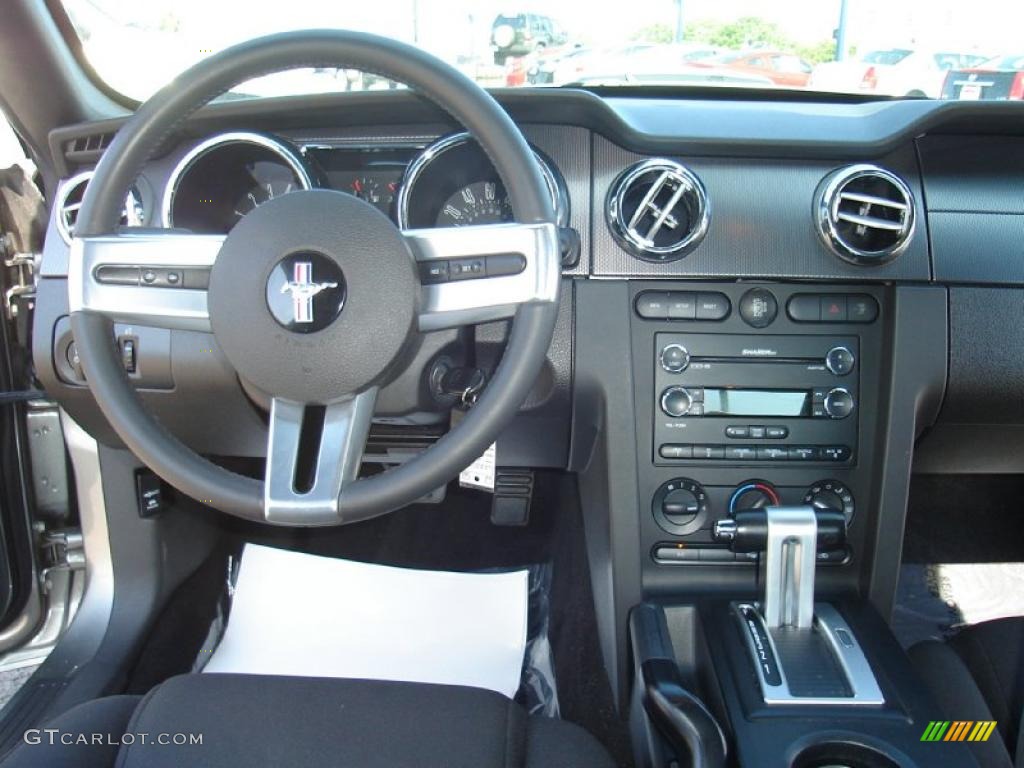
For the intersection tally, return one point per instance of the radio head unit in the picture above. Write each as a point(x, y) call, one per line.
point(763, 399)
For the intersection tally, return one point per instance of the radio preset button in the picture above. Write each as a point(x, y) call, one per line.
point(741, 453)
point(675, 451)
point(772, 453)
point(838, 403)
point(840, 360)
point(674, 358)
point(835, 452)
point(802, 453)
point(676, 402)
point(709, 452)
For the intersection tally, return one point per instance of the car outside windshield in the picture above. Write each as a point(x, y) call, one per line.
point(872, 48)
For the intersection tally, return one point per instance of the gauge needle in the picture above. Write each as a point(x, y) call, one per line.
point(252, 197)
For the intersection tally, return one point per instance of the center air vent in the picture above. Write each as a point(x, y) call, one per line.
point(865, 214)
point(658, 210)
point(69, 202)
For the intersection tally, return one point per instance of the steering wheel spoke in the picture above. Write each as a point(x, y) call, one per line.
point(482, 273)
point(152, 278)
point(313, 452)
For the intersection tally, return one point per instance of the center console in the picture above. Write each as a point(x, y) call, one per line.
point(768, 446)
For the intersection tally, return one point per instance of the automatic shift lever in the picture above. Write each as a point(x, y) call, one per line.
point(790, 538)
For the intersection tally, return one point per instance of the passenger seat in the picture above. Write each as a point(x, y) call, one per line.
point(979, 675)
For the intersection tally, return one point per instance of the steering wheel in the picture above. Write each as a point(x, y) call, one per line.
point(315, 297)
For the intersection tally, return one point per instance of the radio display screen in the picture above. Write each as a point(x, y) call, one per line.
point(756, 402)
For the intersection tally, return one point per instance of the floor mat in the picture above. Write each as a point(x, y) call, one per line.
point(933, 601)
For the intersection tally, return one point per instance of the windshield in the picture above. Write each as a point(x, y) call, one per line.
point(883, 48)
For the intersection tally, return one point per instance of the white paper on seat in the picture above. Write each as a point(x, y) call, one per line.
point(299, 614)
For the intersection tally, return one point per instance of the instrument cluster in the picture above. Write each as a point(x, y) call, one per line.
point(450, 183)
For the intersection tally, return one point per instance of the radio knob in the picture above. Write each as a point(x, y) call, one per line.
point(674, 358)
point(676, 401)
point(838, 403)
point(840, 360)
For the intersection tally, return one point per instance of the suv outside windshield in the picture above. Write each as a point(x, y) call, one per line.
point(875, 48)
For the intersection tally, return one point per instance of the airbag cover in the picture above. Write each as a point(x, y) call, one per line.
point(357, 259)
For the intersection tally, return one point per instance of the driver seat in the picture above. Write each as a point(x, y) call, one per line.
point(260, 720)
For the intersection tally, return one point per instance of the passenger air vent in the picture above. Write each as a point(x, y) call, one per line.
point(87, 149)
point(658, 210)
point(865, 214)
point(69, 201)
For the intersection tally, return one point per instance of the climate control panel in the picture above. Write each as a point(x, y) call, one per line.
point(686, 511)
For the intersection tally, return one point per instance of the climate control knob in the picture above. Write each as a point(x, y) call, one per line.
point(753, 494)
point(831, 494)
point(674, 358)
point(838, 403)
point(676, 401)
point(680, 506)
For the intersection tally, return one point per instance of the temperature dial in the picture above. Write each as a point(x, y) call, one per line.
point(680, 506)
point(831, 494)
point(753, 494)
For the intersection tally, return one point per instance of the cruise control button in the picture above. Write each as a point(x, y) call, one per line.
point(861, 308)
point(466, 269)
point(804, 308)
point(758, 307)
point(499, 264)
point(712, 306)
point(652, 305)
point(432, 272)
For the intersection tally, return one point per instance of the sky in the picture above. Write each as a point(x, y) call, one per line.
point(461, 27)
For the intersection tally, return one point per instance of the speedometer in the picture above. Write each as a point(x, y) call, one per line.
point(483, 202)
point(453, 183)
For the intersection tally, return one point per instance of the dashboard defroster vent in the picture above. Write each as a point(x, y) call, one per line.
point(865, 214)
point(658, 210)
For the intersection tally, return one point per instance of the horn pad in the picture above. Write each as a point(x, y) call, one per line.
point(313, 296)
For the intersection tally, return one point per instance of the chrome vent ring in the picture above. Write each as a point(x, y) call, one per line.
point(69, 201)
point(865, 214)
point(658, 210)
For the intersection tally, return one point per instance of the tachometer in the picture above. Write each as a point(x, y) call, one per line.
point(225, 177)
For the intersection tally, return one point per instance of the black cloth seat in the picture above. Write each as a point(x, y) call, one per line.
point(979, 675)
point(254, 720)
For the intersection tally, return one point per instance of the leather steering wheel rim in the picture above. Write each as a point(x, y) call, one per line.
point(158, 118)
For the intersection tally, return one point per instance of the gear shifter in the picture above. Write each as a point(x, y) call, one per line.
point(790, 538)
point(788, 631)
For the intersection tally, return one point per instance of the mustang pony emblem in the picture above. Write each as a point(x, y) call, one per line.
point(303, 289)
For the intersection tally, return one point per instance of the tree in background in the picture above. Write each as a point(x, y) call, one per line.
point(738, 35)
